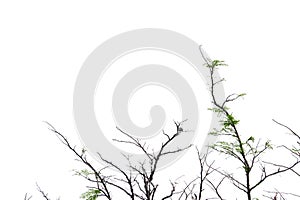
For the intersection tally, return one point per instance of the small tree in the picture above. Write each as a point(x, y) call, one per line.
point(138, 182)
point(247, 152)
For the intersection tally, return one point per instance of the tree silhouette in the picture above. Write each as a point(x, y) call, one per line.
point(138, 181)
point(248, 152)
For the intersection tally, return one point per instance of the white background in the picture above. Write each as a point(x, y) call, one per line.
point(43, 45)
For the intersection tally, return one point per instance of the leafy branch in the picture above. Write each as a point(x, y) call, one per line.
point(247, 152)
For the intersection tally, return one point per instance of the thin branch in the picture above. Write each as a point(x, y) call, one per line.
point(27, 197)
point(285, 126)
point(104, 190)
point(45, 196)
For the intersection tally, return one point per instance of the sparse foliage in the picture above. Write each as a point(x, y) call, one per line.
point(139, 181)
point(248, 152)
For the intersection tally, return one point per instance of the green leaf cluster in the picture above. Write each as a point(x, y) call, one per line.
point(91, 194)
point(216, 63)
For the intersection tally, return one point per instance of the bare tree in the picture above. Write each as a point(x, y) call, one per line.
point(138, 182)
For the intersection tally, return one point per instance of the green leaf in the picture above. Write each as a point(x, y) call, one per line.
point(268, 145)
point(91, 194)
point(251, 139)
